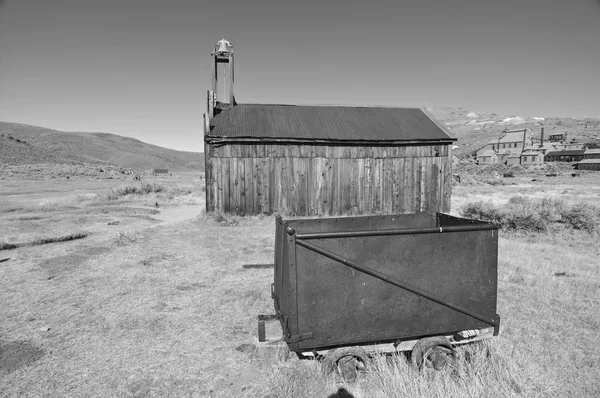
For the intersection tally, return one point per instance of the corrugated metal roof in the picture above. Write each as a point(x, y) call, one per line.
point(592, 151)
point(592, 161)
point(327, 123)
point(573, 152)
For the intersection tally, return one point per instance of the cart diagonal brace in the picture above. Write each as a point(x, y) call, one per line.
point(391, 280)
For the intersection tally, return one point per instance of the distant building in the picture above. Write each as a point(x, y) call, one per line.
point(487, 157)
point(557, 137)
point(509, 143)
point(571, 146)
point(591, 154)
point(532, 157)
point(590, 161)
point(159, 171)
point(574, 155)
point(512, 159)
point(588, 164)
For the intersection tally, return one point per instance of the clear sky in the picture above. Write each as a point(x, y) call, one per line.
point(141, 68)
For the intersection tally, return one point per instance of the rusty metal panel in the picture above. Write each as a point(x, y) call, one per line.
point(359, 280)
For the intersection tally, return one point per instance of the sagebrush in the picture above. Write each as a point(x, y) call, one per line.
point(535, 215)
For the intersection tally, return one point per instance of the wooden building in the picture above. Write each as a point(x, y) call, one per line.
point(591, 160)
point(324, 160)
point(573, 155)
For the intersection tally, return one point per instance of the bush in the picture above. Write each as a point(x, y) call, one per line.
point(481, 211)
point(582, 216)
point(224, 219)
point(536, 215)
point(143, 189)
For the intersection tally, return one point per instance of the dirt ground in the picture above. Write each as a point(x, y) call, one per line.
point(156, 301)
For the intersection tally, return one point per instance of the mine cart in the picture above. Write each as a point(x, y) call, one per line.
point(345, 287)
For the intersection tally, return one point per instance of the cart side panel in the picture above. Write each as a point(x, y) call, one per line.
point(340, 305)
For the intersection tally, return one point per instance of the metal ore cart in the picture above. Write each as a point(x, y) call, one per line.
point(348, 286)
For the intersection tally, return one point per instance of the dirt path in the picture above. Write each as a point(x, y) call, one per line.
point(179, 213)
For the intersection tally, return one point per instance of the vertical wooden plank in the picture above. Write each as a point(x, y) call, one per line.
point(360, 184)
point(241, 186)
point(422, 183)
point(311, 186)
point(387, 185)
point(226, 163)
point(208, 184)
point(278, 191)
point(269, 189)
point(257, 185)
point(447, 203)
point(440, 182)
point(302, 185)
point(327, 187)
point(402, 187)
point(329, 152)
point(252, 153)
point(346, 184)
point(335, 186)
point(216, 185)
point(304, 151)
point(396, 208)
point(429, 185)
point(368, 186)
point(408, 187)
point(248, 185)
point(376, 185)
point(435, 184)
point(416, 162)
point(360, 152)
point(290, 183)
point(319, 172)
point(354, 200)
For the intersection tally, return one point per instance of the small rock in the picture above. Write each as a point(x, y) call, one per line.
point(115, 222)
point(44, 329)
point(246, 348)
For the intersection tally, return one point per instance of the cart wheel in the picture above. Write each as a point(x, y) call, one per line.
point(433, 352)
point(346, 362)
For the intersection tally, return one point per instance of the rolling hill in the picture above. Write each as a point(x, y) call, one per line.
point(25, 144)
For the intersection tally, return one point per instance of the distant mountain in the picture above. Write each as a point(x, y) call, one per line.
point(25, 144)
point(474, 129)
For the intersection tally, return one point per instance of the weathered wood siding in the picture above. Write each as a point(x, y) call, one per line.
point(328, 180)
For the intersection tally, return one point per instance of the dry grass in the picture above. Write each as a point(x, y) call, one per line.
point(151, 309)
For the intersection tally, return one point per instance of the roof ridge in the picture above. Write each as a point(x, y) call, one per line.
point(333, 105)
